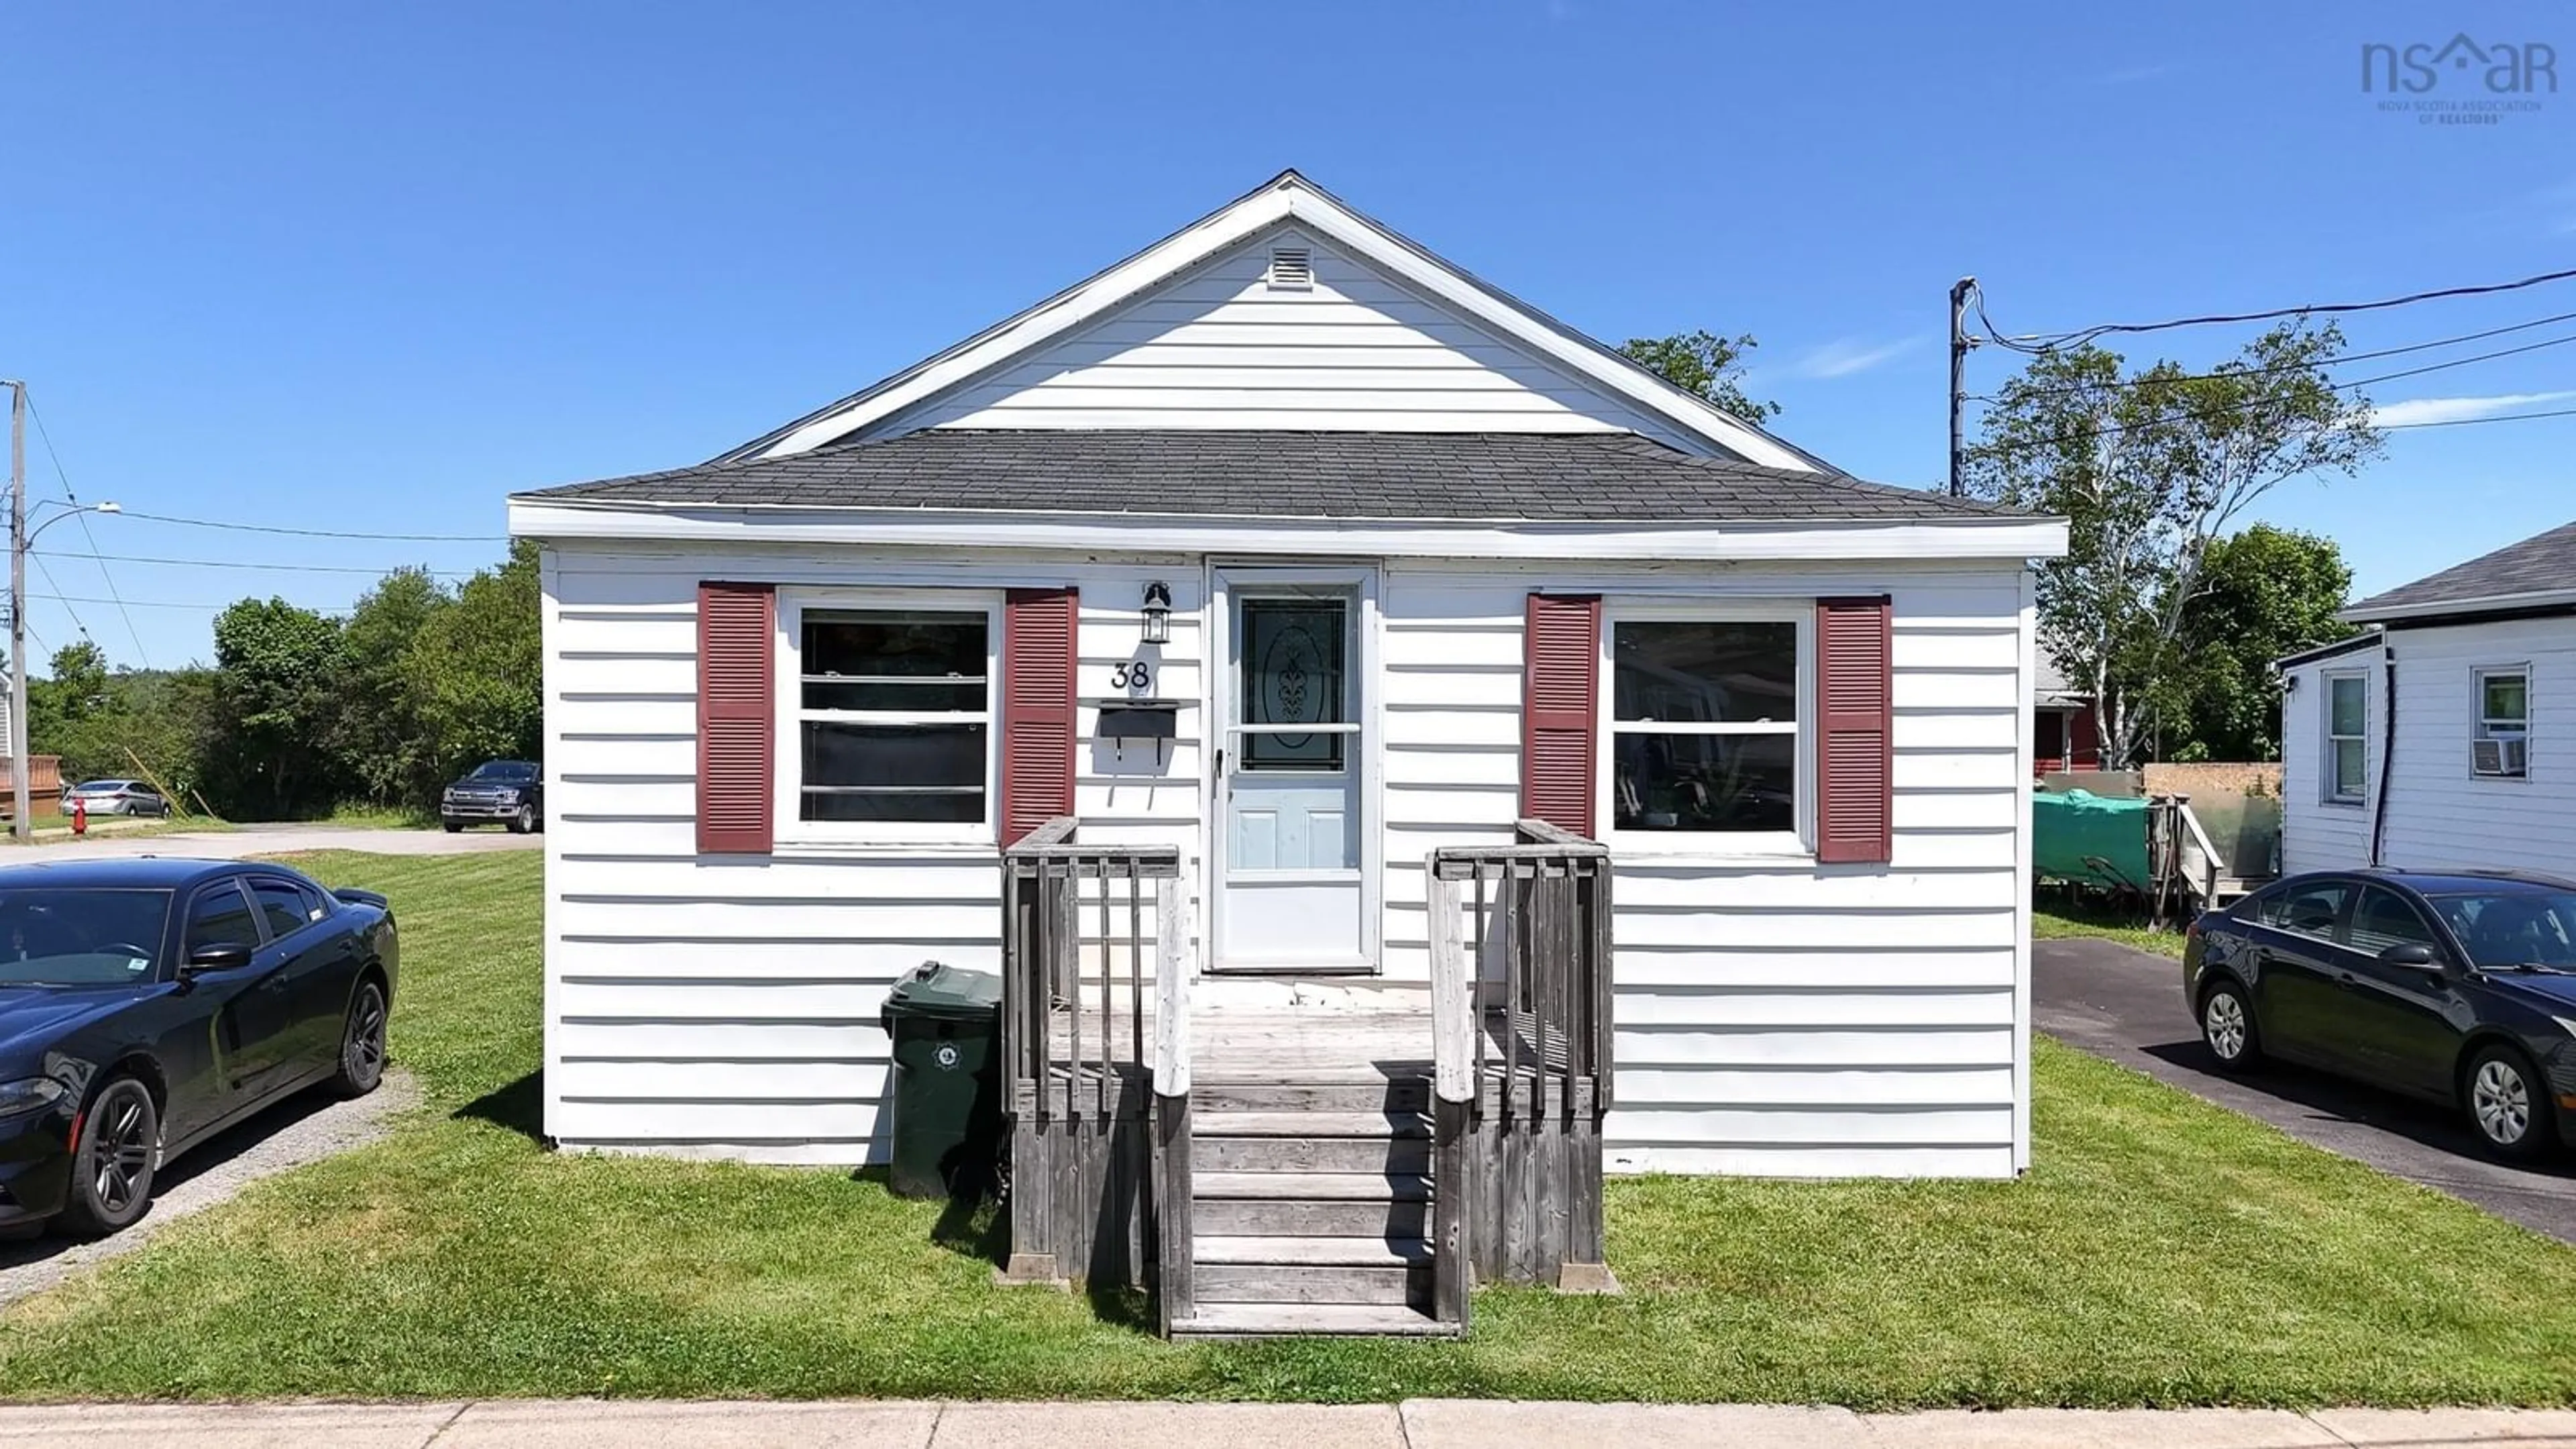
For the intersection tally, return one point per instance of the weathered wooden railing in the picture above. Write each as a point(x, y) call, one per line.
point(1076, 1057)
point(1520, 976)
point(1175, 1280)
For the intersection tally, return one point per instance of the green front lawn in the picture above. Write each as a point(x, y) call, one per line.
point(2053, 917)
point(2162, 1251)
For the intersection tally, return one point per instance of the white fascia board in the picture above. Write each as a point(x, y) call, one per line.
point(1289, 200)
point(1678, 540)
point(2484, 604)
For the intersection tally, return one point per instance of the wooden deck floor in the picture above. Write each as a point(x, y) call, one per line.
point(1319, 1046)
point(1322, 1047)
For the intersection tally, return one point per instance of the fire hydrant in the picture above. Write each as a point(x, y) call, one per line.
point(80, 816)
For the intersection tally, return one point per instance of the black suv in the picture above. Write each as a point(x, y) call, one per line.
point(512, 792)
point(2458, 987)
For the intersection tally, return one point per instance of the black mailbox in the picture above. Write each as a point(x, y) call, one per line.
point(1140, 719)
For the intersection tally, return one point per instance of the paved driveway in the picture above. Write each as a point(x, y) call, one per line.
point(278, 840)
point(2127, 1005)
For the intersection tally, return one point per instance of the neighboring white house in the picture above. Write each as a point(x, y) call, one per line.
point(799, 696)
point(2476, 765)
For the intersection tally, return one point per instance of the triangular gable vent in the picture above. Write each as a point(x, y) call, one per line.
point(1292, 269)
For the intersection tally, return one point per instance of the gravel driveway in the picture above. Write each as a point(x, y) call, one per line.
point(2126, 1005)
point(304, 1128)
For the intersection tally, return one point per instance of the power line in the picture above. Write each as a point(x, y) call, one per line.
point(2203, 414)
point(49, 583)
point(65, 479)
point(138, 603)
point(216, 563)
point(2346, 358)
point(2033, 341)
point(321, 532)
point(2460, 361)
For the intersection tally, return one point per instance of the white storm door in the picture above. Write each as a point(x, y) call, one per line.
point(1293, 892)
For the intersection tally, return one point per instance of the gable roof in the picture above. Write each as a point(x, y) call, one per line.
point(1459, 477)
point(2538, 572)
point(2318, 654)
point(1284, 199)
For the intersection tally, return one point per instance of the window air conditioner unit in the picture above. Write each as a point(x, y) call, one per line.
point(2501, 757)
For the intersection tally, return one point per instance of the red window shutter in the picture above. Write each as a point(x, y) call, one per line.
point(1855, 751)
point(1037, 708)
point(1560, 709)
point(737, 707)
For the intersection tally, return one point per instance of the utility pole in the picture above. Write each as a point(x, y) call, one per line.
point(1959, 345)
point(19, 824)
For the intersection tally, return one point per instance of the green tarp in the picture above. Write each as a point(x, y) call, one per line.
point(2081, 836)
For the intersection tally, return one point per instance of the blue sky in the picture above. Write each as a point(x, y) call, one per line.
point(374, 267)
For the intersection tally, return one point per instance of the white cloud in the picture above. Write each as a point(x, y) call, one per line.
point(1847, 355)
point(2457, 409)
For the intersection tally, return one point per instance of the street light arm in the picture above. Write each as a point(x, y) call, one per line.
point(68, 513)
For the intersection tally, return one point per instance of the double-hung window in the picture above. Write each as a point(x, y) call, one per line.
point(2504, 722)
point(1705, 716)
point(893, 721)
point(2347, 744)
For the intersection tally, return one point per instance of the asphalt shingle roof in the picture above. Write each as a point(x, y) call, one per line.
point(2545, 563)
point(1572, 478)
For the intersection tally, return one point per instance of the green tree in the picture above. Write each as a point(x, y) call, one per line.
point(2149, 469)
point(1706, 364)
point(476, 667)
point(73, 713)
point(383, 740)
point(2264, 593)
point(280, 676)
point(162, 719)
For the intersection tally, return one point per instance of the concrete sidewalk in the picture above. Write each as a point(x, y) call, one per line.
point(1419, 1424)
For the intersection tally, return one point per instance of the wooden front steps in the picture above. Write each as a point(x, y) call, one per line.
point(1310, 1210)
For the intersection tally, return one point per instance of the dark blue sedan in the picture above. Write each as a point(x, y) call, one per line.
point(146, 1005)
point(2459, 988)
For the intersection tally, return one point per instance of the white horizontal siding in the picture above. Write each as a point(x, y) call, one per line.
point(1838, 1160)
point(1216, 348)
point(2440, 813)
point(1889, 1124)
point(1809, 1045)
point(1646, 1089)
point(730, 1007)
point(1770, 1016)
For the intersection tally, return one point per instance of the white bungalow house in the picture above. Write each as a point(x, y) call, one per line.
point(2474, 766)
point(1281, 555)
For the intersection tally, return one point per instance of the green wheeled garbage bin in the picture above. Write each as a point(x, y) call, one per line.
point(946, 1098)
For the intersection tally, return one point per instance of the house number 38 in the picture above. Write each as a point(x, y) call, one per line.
point(1131, 674)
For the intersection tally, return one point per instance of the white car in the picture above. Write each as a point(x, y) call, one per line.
point(117, 797)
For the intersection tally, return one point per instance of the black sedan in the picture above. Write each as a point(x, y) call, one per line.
point(2458, 988)
point(146, 1005)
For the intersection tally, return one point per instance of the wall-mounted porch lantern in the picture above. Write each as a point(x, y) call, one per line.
point(1158, 613)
